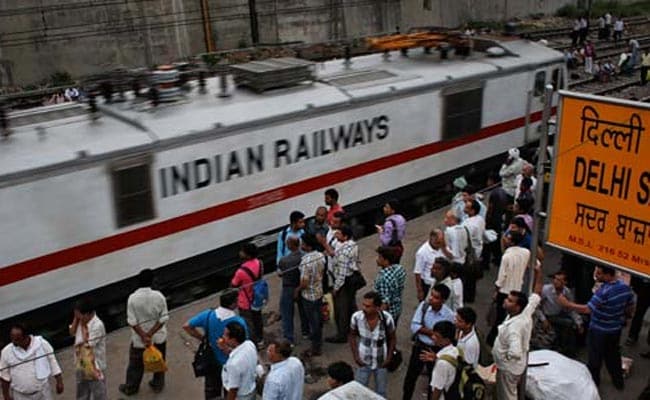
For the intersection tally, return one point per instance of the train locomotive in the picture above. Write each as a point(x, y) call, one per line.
point(86, 203)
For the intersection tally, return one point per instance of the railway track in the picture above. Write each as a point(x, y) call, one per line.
point(557, 32)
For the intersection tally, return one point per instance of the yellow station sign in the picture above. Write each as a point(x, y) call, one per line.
point(600, 188)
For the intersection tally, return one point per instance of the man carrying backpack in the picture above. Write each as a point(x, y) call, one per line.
point(245, 277)
point(295, 228)
point(452, 377)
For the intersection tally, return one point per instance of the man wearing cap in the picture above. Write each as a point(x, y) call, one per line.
point(509, 171)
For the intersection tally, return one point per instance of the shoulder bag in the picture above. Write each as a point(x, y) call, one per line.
point(396, 359)
point(204, 362)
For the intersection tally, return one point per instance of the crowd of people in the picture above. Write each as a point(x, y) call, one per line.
point(318, 258)
point(582, 52)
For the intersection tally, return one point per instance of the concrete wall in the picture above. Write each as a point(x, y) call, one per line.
point(38, 38)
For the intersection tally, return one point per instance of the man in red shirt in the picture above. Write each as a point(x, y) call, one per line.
point(332, 200)
point(243, 280)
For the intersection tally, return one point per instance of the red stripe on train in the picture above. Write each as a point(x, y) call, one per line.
point(72, 255)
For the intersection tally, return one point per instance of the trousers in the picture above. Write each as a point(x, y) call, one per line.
point(135, 369)
point(414, 369)
point(362, 375)
point(605, 347)
point(287, 308)
point(344, 307)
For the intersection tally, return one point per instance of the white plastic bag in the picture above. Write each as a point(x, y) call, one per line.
point(562, 379)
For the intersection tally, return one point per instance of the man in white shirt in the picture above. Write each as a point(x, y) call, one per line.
point(286, 379)
point(511, 346)
point(466, 335)
point(527, 171)
point(23, 379)
point(475, 225)
point(444, 372)
point(440, 274)
point(89, 334)
point(455, 238)
point(510, 276)
point(146, 314)
point(239, 372)
point(424, 258)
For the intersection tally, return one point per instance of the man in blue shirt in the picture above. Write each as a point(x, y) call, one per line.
point(286, 379)
point(609, 307)
point(213, 322)
point(426, 316)
point(296, 228)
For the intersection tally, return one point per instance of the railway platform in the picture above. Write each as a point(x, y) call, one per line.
point(180, 381)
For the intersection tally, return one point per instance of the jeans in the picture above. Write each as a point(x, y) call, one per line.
point(605, 347)
point(314, 319)
point(90, 389)
point(362, 375)
point(287, 312)
point(135, 370)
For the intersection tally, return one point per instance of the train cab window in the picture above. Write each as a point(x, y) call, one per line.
point(556, 79)
point(462, 111)
point(540, 82)
point(132, 192)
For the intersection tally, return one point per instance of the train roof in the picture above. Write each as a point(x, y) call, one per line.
point(59, 136)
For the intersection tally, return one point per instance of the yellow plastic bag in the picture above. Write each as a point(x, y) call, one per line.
point(86, 363)
point(153, 360)
point(328, 301)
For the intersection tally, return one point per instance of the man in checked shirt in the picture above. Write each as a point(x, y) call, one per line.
point(346, 261)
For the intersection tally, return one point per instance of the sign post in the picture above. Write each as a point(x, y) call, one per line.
point(600, 191)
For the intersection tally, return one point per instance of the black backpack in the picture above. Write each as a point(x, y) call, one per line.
point(467, 384)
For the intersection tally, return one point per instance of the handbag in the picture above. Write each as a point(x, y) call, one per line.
point(356, 280)
point(396, 359)
point(204, 362)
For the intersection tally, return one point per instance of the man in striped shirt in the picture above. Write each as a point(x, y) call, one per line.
point(609, 307)
point(311, 268)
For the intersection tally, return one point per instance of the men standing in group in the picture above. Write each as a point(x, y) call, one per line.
point(286, 378)
point(22, 378)
point(509, 278)
point(289, 271)
point(509, 171)
point(213, 324)
point(440, 274)
point(527, 171)
point(332, 200)
point(89, 336)
point(475, 225)
point(511, 346)
point(426, 316)
point(609, 308)
point(466, 335)
point(146, 314)
point(392, 232)
point(312, 267)
point(389, 282)
point(424, 258)
point(295, 228)
point(248, 272)
point(239, 372)
point(372, 341)
point(444, 372)
point(318, 225)
point(346, 262)
point(455, 238)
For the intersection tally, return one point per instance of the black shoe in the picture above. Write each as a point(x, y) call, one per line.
point(127, 390)
point(645, 355)
point(156, 388)
point(335, 339)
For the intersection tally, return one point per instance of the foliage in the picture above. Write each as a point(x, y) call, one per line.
point(60, 78)
point(599, 8)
